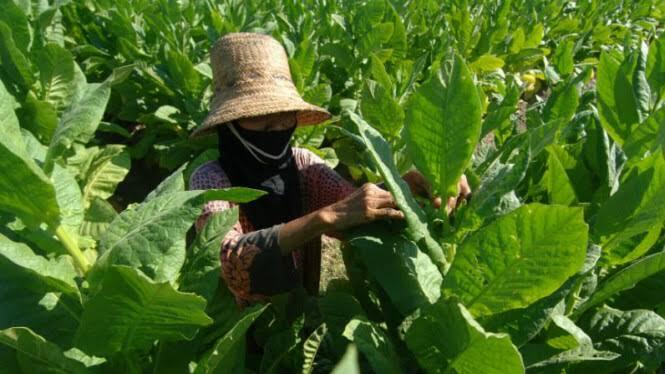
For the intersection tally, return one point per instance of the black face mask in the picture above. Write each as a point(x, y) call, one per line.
point(262, 160)
point(268, 147)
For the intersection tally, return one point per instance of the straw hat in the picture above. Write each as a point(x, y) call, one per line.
point(251, 77)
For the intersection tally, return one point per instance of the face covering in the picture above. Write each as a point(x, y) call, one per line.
point(266, 147)
point(262, 160)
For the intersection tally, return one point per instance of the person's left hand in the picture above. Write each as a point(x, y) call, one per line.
point(419, 186)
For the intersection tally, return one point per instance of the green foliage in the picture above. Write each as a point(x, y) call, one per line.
point(518, 259)
point(467, 348)
point(130, 312)
point(553, 110)
point(443, 126)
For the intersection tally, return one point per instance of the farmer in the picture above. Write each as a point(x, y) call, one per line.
point(276, 244)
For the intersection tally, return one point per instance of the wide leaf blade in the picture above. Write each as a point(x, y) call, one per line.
point(443, 126)
point(55, 275)
point(444, 337)
point(374, 344)
point(130, 311)
point(518, 259)
point(37, 354)
point(405, 273)
point(35, 201)
point(79, 122)
point(416, 220)
point(625, 279)
point(151, 236)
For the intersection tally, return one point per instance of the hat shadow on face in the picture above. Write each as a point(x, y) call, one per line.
point(268, 122)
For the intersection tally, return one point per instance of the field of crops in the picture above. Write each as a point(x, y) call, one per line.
point(554, 110)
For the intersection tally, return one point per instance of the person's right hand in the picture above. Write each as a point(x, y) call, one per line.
point(366, 204)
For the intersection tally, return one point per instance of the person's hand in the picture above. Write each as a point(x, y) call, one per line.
point(419, 186)
point(463, 193)
point(366, 204)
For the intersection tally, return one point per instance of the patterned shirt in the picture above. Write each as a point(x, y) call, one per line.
point(252, 264)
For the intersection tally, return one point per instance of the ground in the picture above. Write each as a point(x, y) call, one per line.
point(332, 264)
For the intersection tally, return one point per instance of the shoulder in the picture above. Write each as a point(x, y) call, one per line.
point(208, 175)
point(306, 158)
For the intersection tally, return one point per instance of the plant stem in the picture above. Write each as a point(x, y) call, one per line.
point(73, 248)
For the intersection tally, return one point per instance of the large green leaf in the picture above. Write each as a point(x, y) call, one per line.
point(374, 344)
point(562, 104)
point(305, 56)
point(641, 89)
point(498, 113)
point(200, 273)
point(444, 337)
point(616, 106)
point(311, 347)
point(38, 293)
point(405, 273)
point(417, 229)
point(646, 294)
point(563, 58)
point(495, 193)
point(97, 218)
point(224, 356)
point(37, 355)
point(655, 69)
point(349, 362)
point(280, 345)
point(638, 335)
point(130, 311)
point(55, 275)
point(36, 200)
point(57, 76)
point(68, 194)
point(182, 73)
point(518, 259)
point(625, 279)
point(39, 117)
point(543, 358)
point(17, 21)
point(15, 65)
point(648, 137)
point(443, 127)
point(107, 169)
point(524, 324)
point(636, 208)
point(381, 110)
point(559, 186)
point(173, 183)
point(79, 122)
point(151, 236)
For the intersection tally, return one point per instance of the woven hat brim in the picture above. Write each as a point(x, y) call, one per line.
point(227, 110)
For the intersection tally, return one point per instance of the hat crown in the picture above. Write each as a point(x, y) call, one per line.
point(251, 77)
point(242, 59)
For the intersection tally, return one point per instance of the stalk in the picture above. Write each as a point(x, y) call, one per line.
point(73, 248)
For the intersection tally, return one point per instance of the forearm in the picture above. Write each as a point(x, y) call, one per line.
point(297, 232)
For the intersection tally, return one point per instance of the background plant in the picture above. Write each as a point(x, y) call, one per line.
point(554, 111)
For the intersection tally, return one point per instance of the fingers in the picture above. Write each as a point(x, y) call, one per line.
point(463, 187)
point(378, 203)
point(418, 184)
point(386, 213)
point(383, 202)
point(451, 204)
point(463, 193)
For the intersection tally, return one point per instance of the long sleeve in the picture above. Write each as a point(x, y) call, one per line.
point(322, 185)
point(252, 264)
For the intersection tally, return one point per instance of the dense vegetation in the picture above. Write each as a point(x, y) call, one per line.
point(555, 111)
